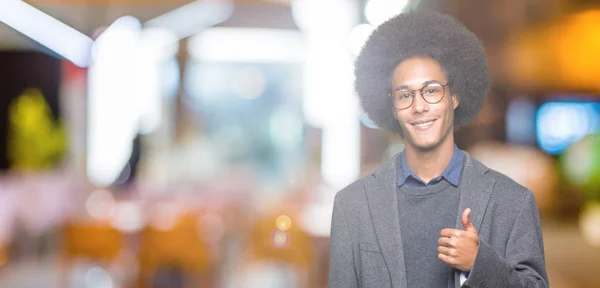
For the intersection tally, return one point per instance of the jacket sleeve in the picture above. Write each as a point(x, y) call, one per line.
point(523, 264)
point(341, 264)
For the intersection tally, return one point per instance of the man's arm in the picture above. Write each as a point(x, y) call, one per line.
point(523, 265)
point(341, 263)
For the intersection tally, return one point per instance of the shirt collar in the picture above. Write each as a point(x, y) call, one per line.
point(451, 173)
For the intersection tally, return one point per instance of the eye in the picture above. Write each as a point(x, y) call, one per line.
point(433, 90)
point(403, 94)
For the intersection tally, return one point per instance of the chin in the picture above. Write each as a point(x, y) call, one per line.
point(424, 143)
point(425, 146)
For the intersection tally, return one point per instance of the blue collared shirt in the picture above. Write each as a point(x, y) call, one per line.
point(451, 173)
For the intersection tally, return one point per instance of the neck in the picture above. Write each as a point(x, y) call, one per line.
point(428, 164)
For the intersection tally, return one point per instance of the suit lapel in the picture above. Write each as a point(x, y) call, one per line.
point(476, 188)
point(383, 203)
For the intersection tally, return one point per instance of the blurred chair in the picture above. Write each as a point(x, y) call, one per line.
point(175, 253)
point(278, 253)
point(96, 241)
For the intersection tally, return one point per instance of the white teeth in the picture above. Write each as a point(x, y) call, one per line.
point(424, 124)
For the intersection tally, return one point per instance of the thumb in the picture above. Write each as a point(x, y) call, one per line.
point(466, 220)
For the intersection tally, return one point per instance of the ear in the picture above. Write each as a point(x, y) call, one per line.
point(394, 111)
point(455, 100)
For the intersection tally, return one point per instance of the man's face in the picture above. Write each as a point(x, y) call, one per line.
point(424, 125)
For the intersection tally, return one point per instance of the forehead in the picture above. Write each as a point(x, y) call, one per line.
point(415, 71)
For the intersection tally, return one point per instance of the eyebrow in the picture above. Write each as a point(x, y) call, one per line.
point(402, 87)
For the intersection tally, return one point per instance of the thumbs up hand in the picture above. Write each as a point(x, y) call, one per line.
point(458, 248)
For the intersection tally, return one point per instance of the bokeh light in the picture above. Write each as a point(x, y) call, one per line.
point(358, 37)
point(581, 166)
point(128, 217)
point(164, 216)
point(97, 277)
point(100, 204)
point(280, 239)
point(561, 123)
point(283, 222)
point(589, 223)
point(378, 11)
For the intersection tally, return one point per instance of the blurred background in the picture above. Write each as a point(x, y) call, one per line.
point(178, 143)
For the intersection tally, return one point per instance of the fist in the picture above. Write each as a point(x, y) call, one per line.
point(458, 247)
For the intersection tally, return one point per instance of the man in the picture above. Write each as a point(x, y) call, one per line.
point(432, 216)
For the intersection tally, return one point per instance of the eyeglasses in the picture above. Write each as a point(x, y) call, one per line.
point(432, 93)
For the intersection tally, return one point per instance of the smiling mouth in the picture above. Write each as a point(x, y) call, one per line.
point(423, 124)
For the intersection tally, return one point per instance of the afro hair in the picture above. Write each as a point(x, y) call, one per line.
point(421, 34)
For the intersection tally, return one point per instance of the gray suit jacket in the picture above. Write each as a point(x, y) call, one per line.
point(366, 244)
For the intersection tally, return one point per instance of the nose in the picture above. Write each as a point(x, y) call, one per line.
point(420, 105)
